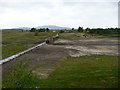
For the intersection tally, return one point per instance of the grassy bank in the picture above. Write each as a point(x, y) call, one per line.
point(96, 71)
point(16, 41)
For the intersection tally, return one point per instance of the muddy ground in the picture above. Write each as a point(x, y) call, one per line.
point(44, 59)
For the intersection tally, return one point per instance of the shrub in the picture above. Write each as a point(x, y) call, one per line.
point(61, 31)
point(20, 77)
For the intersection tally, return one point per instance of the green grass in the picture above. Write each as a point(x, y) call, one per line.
point(9, 37)
point(105, 36)
point(85, 72)
point(0, 36)
point(76, 35)
point(0, 44)
point(0, 52)
point(96, 71)
point(14, 39)
point(13, 49)
point(71, 35)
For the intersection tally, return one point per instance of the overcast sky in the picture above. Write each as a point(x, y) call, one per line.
point(69, 13)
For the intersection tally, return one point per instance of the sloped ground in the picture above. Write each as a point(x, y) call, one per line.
point(44, 59)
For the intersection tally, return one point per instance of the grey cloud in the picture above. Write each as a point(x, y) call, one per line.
point(71, 13)
point(23, 5)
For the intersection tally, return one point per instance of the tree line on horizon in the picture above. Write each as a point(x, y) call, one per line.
point(39, 30)
point(99, 31)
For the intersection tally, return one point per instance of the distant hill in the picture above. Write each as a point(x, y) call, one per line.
point(54, 27)
point(23, 28)
point(20, 28)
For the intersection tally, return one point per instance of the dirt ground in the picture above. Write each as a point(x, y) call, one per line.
point(44, 59)
point(81, 47)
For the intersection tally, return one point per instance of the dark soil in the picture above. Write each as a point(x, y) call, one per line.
point(39, 57)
